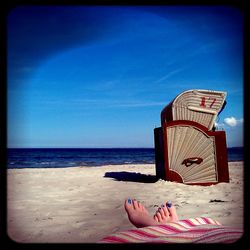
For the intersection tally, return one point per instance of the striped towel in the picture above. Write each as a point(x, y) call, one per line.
point(196, 230)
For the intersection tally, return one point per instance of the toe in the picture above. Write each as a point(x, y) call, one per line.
point(172, 211)
point(135, 204)
point(165, 211)
point(140, 205)
point(158, 214)
point(161, 211)
point(156, 218)
point(128, 204)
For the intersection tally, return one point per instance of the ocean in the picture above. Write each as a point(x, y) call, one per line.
point(73, 157)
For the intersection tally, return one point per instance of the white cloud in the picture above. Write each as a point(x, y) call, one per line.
point(232, 121)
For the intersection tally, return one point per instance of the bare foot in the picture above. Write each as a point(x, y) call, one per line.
point(137, 214)
point(166, 213)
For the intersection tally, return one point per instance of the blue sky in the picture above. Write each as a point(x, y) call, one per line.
point(99, 76)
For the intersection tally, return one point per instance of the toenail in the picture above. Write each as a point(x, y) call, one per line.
point(129, 201)
point(169, 203)
point(162, 205)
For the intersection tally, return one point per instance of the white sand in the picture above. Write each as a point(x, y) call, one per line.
point(81, 205)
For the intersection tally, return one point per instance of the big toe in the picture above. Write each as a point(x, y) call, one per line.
point(128, 205)
point(172, 210)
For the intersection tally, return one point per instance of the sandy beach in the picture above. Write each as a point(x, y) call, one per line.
point(84, 204)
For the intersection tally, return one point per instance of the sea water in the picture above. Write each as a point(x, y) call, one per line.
point(73, 157)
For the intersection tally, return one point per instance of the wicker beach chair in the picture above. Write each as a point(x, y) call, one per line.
point(187, 150)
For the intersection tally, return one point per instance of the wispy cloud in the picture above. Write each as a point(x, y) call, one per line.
point(169, 74)
point(200, 50)
point(98, 103)
point(140, 104)
point(118, 104)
